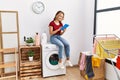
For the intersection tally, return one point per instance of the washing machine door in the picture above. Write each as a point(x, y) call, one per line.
point(52, 60)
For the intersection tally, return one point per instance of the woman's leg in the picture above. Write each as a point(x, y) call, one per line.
point(54, 39)
point(66, 46)
point(67, 50)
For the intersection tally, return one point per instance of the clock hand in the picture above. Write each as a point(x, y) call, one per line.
point(39, 6)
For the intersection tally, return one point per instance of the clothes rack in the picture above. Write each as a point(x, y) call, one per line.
point(100, 39)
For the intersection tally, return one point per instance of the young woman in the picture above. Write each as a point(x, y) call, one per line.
point(55, 38)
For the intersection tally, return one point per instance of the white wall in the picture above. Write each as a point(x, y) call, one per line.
point(78, 14)
point(89, 24)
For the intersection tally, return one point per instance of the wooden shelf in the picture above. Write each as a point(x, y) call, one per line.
point(30, 77)
point(30, 69)
point(7, 77)
point(24, 46)
point(4, 65)
point(7, 50)
point(28, 63)
point(9, 64)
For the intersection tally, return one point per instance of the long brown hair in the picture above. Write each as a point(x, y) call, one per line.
point(58, 13)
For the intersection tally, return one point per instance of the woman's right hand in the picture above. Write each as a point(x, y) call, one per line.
point(59, 29)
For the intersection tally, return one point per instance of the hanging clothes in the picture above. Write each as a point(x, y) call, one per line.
point(107, 44)
point(85, 65)
point(96, 61)
point(82, 62)
point(89, 69)
point(118, 62)
point(101, 38)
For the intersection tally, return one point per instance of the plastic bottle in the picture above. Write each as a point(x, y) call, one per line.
point(37, 39)
point(24, 38)
point(44, 38)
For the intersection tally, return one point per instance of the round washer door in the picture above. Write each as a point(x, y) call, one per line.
point(52, 60)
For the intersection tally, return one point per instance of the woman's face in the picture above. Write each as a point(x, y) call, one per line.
point(60, 17)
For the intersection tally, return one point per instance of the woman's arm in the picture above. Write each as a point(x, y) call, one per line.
point(51, 30)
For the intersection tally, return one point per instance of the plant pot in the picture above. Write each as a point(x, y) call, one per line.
point(30, 58)
point(29, 44)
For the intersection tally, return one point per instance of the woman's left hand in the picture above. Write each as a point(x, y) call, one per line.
point(64, 30)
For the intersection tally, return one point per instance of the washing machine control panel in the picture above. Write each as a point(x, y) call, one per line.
point(50, 47)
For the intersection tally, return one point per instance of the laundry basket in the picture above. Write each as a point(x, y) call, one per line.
point(98, 66)
point(99, 71)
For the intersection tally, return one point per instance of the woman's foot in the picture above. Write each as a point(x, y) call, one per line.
point(61, 66)
point(68, 62)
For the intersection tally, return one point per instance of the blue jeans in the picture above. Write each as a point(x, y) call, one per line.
point(62, 44)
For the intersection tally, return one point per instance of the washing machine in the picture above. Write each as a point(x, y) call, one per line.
point(111, 71)
point(50, 61)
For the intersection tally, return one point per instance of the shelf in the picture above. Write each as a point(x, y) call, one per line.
point(8, 50)
point(4, 65)
point(27, 78)
point(7, 77)
point(30, 63)
point(30, 69)
point(24, 46)
point(27, 61)
point(9, 64)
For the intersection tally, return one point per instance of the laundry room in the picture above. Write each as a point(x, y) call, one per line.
point(59, 40)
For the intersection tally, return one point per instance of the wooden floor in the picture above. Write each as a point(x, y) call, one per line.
point(72, 74)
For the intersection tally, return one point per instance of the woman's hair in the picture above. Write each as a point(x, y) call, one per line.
point(58, 13)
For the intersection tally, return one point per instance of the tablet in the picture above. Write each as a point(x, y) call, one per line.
point(65, 26)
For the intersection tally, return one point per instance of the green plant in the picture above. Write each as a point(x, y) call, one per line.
point(29, 40)
point(30, 53)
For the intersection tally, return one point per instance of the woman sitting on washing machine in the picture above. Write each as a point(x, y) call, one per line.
point(56, 30)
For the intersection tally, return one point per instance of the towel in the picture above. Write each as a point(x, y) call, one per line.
point(89, 69)
point(118, 62)
point(108, 45)
point(101, 38)
point(96, 61)
point(119, 52)
point(82, 62)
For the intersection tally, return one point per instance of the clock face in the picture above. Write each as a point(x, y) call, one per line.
point(38, 7)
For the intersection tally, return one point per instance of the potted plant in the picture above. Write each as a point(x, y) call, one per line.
point(30, 55)
point(29, 41)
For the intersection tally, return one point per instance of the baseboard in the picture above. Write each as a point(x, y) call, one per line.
point(73, 66)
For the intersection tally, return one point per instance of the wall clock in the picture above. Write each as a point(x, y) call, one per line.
point(38, 7)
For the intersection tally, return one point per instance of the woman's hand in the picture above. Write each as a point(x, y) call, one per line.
point(59, 29)
point(62, 31)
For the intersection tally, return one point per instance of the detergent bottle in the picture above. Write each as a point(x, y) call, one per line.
point(37, 39)
point(44, 38)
